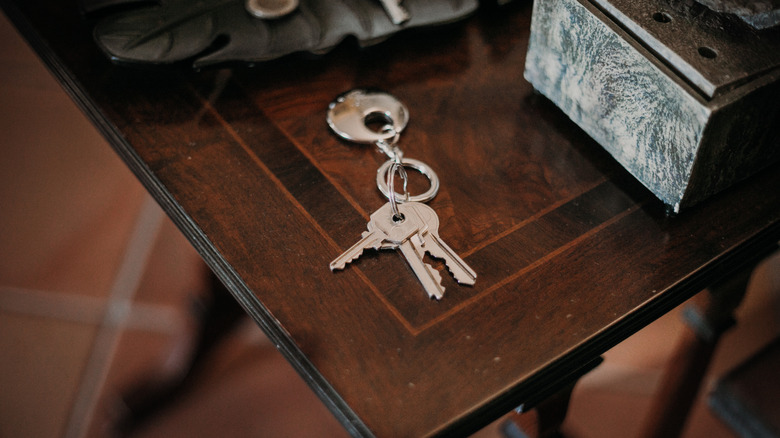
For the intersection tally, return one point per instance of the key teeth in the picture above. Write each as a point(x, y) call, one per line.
point(334, 266)
point(343, 264)
point(467, 281)
point(439, 254)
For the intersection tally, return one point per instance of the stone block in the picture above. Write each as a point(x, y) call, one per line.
point(686, 99)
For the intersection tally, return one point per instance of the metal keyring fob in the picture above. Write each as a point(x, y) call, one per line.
point(404, 223)
point(381, 180)
point(349, 113)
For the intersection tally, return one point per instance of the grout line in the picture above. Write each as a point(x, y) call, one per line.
point(154, 318)
point(126, 282)
point(55, 305)
point(339, 188)
point(83, 309)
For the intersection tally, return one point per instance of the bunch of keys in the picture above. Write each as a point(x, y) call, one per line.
point(404, 223)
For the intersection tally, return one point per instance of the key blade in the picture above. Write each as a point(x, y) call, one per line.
point(462, 272)
point(370, 239)
point(431, 243)
point(429, 277)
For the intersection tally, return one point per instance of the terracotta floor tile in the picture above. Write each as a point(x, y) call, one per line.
point(175, 272)
point(251, 391)
point(758, 318)
point(68, 201)
point(702, 423)
point(605, 414)
point(18, 63)
point(40, 370)
point(650, 347)
point(156, 342)
point(142, 359)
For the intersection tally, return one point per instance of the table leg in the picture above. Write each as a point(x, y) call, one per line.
point(544, 421)
point(707, 318)
point(541, 416)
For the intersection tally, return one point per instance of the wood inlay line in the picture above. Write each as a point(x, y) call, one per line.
point(412, 329)
point(510, 278)
point(339, 188)
point(294, 201)
point(487, 242)
point(312, 160)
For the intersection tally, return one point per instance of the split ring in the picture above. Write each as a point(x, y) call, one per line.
point(409, 163)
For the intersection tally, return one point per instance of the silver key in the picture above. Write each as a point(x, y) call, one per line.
point(433, 245)
point(404, 235)
point(370, 239)
point(386, 233)
point(397, 13)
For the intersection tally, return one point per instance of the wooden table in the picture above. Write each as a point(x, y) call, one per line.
point(573, 255)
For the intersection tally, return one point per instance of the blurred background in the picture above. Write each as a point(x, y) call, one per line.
point(103, 304)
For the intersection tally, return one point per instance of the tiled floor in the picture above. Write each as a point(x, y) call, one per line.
point(98, 292)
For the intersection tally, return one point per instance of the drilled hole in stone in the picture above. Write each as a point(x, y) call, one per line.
point(662, 17)
point(708, 53)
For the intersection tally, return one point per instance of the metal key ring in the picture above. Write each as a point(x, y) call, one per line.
point(350, 113)
point(411, 163)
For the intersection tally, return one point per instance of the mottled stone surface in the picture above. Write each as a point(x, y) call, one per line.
point(761, 14)
point(679, 144)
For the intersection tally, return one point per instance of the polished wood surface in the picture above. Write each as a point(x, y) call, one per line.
point(572, 254)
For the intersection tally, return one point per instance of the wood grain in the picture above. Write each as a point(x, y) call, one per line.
point(572, 254)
